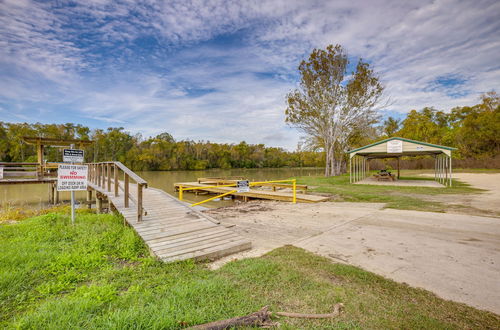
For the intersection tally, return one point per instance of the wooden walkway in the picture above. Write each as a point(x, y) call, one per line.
point(171, 229)
point(257, 194)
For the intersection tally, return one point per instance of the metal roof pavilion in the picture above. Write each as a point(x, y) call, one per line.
point(397, 147)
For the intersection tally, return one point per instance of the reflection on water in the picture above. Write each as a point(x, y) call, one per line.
point(37, 194)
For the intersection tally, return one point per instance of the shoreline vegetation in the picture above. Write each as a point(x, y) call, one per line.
point(98, 274)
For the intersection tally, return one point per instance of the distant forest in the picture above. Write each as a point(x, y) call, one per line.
point(474, 131)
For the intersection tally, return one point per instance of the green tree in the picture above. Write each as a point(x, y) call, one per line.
point(330, 106)
point(477, 129)
point(391, 126)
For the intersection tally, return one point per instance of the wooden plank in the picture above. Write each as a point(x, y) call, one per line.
point(193, 235)
point(196, 244)
point(166, 227)
point(211, 253)
point(159, 236)
point(197, 247)
point(19, 173)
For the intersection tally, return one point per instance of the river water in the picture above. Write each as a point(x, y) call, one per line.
point(36, 195)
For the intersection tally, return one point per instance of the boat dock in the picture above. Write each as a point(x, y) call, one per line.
point(207, 186)
point(171, 229)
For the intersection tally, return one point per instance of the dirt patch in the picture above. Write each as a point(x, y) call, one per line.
point(485, 203)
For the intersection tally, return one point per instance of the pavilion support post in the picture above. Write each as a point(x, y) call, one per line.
point(435, 171)
point(446, 170)
point(450, 172)
point(399, 170)
point(355, 169)
point(350, 169)
point(364, 167)
point(441, 167)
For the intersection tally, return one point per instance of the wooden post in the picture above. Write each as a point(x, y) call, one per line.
point(51, 194)
point(139, 202)
point(108, 166)
point(103, 178)
point(56, 194)
point(125, 188)
point(89, 198)
point(116, 179)
point(39, 151)
point(98, 174)
point(98, 201)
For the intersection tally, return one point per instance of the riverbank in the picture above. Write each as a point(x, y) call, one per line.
point(98, 274)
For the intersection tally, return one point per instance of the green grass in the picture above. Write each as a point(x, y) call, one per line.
point(404, 198)
point(98, 274)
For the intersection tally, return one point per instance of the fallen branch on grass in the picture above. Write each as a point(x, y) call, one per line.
point(337, 308)
point(262, 318)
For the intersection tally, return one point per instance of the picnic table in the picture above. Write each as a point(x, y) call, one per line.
point(384, 175)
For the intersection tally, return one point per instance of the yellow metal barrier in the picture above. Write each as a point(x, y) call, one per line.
point(182, 189)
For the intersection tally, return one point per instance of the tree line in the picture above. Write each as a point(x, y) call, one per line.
point(161, 152)
point(473, 130)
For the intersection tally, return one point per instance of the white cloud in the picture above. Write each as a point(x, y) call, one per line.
point(86, 58)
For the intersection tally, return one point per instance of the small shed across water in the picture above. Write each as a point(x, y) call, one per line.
point(397, 147)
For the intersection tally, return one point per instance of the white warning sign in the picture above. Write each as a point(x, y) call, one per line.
point(72, 177)
point(243, 186)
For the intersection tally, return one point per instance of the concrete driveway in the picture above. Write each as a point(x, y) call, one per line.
point(455, 256)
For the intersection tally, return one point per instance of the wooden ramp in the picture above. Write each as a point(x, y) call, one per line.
point(171, 229)
point(257, 194)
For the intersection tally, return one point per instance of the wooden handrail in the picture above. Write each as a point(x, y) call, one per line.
point(101, 175)
point(17, 164)
point(125, 169)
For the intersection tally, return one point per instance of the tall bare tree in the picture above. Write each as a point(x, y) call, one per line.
point(331, 106)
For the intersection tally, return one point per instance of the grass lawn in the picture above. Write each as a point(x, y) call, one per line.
point(404, 198)
point(98, 274)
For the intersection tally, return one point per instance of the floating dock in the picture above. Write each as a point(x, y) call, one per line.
point(284, 196)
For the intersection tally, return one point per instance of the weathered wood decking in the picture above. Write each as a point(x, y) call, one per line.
point(171, 229)
point(257, 194)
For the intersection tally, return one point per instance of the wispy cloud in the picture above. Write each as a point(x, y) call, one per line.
point(219, 70)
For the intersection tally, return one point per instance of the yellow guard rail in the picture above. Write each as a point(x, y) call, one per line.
point(182, 189)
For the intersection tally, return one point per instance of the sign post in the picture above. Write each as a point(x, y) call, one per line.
point(71, 177)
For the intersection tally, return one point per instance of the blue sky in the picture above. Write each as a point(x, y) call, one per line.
point(220, 70)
